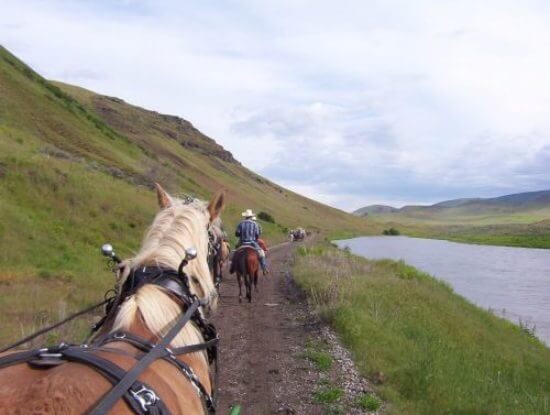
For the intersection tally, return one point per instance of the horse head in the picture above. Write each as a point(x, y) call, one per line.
point(179, 225)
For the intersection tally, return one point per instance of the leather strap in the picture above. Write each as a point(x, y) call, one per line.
point(158, 351)
point(112, 372)
point(20, 357)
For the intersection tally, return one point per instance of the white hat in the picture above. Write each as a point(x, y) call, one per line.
point(248, 213)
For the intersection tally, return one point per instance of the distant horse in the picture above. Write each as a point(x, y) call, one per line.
point(220, 259)
point(147, 311)
point(299, 234)
point(220, 249)
point(224, 252)
point(246, 264)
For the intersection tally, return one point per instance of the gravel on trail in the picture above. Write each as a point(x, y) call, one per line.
point(264, 347)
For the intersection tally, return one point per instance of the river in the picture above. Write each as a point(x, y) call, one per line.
point(513, 282)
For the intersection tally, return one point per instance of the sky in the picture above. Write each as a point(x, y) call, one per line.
point(348, 102)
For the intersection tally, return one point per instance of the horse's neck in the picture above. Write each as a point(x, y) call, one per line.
point(149, 312)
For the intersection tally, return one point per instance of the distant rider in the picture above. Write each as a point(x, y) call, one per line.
point(248, 233)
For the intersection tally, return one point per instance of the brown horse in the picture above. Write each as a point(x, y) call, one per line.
point(246, 264)
point(149, 312)
point(219, 261)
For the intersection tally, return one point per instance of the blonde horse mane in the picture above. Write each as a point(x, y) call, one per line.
point(158, 312)
point(178, 226)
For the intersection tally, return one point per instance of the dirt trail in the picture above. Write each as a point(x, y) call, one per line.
point(260, 363)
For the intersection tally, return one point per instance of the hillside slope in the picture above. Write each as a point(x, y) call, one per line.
point(76, 169)
point(374, 210)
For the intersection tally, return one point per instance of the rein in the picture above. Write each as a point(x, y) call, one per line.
point(54, 326)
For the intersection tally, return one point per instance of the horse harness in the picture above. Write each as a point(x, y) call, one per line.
point(139, 396)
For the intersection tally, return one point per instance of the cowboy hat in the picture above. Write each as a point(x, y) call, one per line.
point(248, 213)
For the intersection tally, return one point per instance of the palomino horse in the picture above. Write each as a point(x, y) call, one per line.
point(246, 264)
point(148, 312)
point(222, 258)
point(225, 251)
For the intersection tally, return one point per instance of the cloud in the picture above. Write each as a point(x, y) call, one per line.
point(350, 103)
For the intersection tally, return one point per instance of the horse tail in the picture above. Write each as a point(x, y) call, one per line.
point(252, 262)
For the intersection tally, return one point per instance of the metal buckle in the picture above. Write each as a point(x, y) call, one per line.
point(170, 353)
point(50, 355)
point(145, 397)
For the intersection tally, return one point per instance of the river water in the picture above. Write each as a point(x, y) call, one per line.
point(512, 282)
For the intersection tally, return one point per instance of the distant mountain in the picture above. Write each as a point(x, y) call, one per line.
point(527, 199)
point(515, 208)
point(456, 202)
point(374, 209)
point(524, 199)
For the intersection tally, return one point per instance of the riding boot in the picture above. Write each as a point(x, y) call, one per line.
point(263, 265)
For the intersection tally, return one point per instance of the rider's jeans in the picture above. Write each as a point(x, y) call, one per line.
point(260, 251)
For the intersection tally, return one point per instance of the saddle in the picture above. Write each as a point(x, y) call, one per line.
point(244, 246)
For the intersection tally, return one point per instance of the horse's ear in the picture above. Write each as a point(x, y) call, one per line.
point(216, 205)
point(164, 198)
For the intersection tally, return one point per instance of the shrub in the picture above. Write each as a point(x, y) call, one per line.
point(369, 402)
point(391, 231)
point(266, 217)
point(330, 395)
point(322, 360)
point(530, 329)
point(45, 274)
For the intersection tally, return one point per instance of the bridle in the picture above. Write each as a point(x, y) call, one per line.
point(139, 396)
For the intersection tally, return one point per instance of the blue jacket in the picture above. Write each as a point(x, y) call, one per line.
point(248, 231)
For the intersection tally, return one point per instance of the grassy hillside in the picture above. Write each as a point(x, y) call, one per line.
point(76, 169)
point(428, 350)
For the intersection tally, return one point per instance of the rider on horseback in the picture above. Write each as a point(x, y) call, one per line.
point(248, 232)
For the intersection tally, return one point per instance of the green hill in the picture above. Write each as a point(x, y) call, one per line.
point(528, 207)
point(521, 219)
point(374, 210)
point(77, 169)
